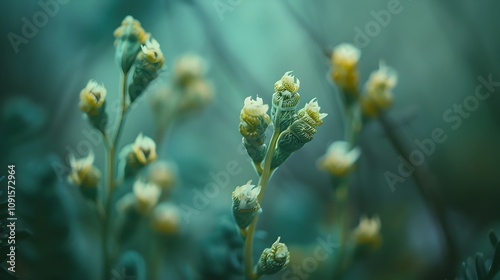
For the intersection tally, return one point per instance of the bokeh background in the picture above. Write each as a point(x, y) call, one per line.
point(439, 49)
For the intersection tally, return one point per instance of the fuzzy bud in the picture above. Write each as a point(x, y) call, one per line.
point(195, 96)
point(245, 204)
point(367, 233)
point(129, 38)
point(146, 196)
point(300, 132)
point(162, 174)
point(285, 100)
point(339, 160)
point(188, 68)
point(93, 104)
point(85, 175)
point(273, 259)
point(147, 65)
point(166, 219)
point(344, 71)
point(254, 121)
point(378, 96)
point(139, 154)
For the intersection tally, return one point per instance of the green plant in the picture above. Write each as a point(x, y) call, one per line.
point(292, 130)
point(140, 58)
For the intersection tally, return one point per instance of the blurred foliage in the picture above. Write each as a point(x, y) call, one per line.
point(439, 49)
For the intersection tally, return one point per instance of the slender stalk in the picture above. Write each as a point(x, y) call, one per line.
point(106, 213)
point(352, 126)
point(124, 110)
point(108, 192)
point(258, 167)
point(343, 225)
point(264, 178)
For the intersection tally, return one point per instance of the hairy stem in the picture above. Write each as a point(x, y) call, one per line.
point(264, 178)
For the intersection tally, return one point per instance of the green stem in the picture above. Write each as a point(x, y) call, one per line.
point(264, 178)
point(258, 168)
point(122, 116)
point(341, 196)
point(108, 192)
point(352, 126)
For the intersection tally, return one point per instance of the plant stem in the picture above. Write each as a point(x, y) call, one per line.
point(108, 192)
point(264, 178)
point(341, 197)
point(258, 167)
point(106, 213)
point(352, 126)
point(124, 110)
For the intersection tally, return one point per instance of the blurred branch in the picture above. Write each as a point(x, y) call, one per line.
point(427, 186)
point(309, 30)
point(224, 54)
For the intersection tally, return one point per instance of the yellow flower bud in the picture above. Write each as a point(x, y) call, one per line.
point(132, 29)
point(144, 149)
point(344, 72)
point(245, 204)
point(339, 160)
point(310, 113)
point(188, 67)
point(300, 132)
point(92, 98)
point(162, 174)
point(287, 83)
point(139, 154)
point(166, 219)
point(148, 63)
point(285, 101)
point(152, 53)
point(196, 95)
point(367, 233)
point(129, 38)
point(378, 96)
point(83, 173)
point(146, 196)
point(254, 119)
point(273, 259)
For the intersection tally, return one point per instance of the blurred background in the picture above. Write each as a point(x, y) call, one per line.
point(440, 50)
